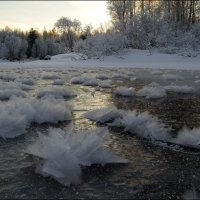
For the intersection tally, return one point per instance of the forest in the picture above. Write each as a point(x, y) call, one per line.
point(172, 27)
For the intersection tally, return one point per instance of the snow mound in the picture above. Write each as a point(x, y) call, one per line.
point(154, 84)
point(27, 81)
point(50, 76)
point(133, 78)
point(50, 111)
point(191, 194)
point(64, 152)
point(197, 81)
point(8, 77)
point(102, 76)
point(124, 91)
point(141, 124)
point(18, 113)
point(69, 56)
point(79, 80)
point(144, 125)
point(56, 91)
point(156, 72)
point(103, 115)
point(26, 87)
point(6, 94)
point(151, 92)
point(179, 89)
point(91, 82)
point(58, 82)
point(12, 123)
point(172, 77)
point(187, 137)
point(105, 84)
point(119, 75)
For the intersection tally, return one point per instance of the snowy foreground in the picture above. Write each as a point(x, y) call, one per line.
point(131, 58)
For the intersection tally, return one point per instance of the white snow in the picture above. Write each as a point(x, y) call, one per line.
point(118, 75)
point(188, 137)
point(26, 87)
point(105, 84)
point(191, 194)
point(133, 78)
point(144, 125)
point(6, 94)
point(69, 57)
point(180, 89)
point(8, 77)
point(12, 123)
point(50, 76)
point(17, 114)
point(141, 124)
point(151, 92)
point(58, 82)
point(27, 81)
point(197, 81)
point(56, 91)
point(103, 115)
point(134, 58)
point(102, 76)
point(91, 82)
point(64, 152)
point(172, 77)
point(79, 80)
point(124, 91)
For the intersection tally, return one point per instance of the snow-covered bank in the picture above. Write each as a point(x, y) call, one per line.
point(132, 58)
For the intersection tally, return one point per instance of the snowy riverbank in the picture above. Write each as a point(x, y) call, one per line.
point(132, 58)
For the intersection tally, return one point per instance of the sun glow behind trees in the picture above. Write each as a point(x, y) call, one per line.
point(40, 14)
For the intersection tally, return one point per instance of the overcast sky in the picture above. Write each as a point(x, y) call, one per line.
point(40, 14)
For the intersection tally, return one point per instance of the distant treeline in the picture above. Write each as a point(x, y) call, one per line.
point(170, 26)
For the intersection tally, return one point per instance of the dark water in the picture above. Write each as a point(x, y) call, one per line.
point(154, 171)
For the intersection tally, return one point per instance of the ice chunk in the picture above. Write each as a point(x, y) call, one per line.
point(124, 91)
point(27, 81)
point(172, 77)
point(6, 94)
point(17, 114)
point(141, 124)
point(58, 82)
point(188, 137)
point(103, 115)
point(179, 89)
point(152, 92)
point(56, 91)
point(50, 76)
point(91, 82)
point(145, 125)
point(102, 76)
point(12, 123)
point(64, 152)
point(105, 84)
point(79, 80)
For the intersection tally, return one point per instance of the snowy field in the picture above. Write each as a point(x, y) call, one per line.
point(126, 126)
point(131, 58)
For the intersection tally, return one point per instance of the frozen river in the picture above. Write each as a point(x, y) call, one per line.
point(154, 170)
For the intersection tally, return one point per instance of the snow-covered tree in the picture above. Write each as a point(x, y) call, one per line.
point(14, 48)
point(69, 30)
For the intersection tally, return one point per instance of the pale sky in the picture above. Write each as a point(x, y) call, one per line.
point(40, 14)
